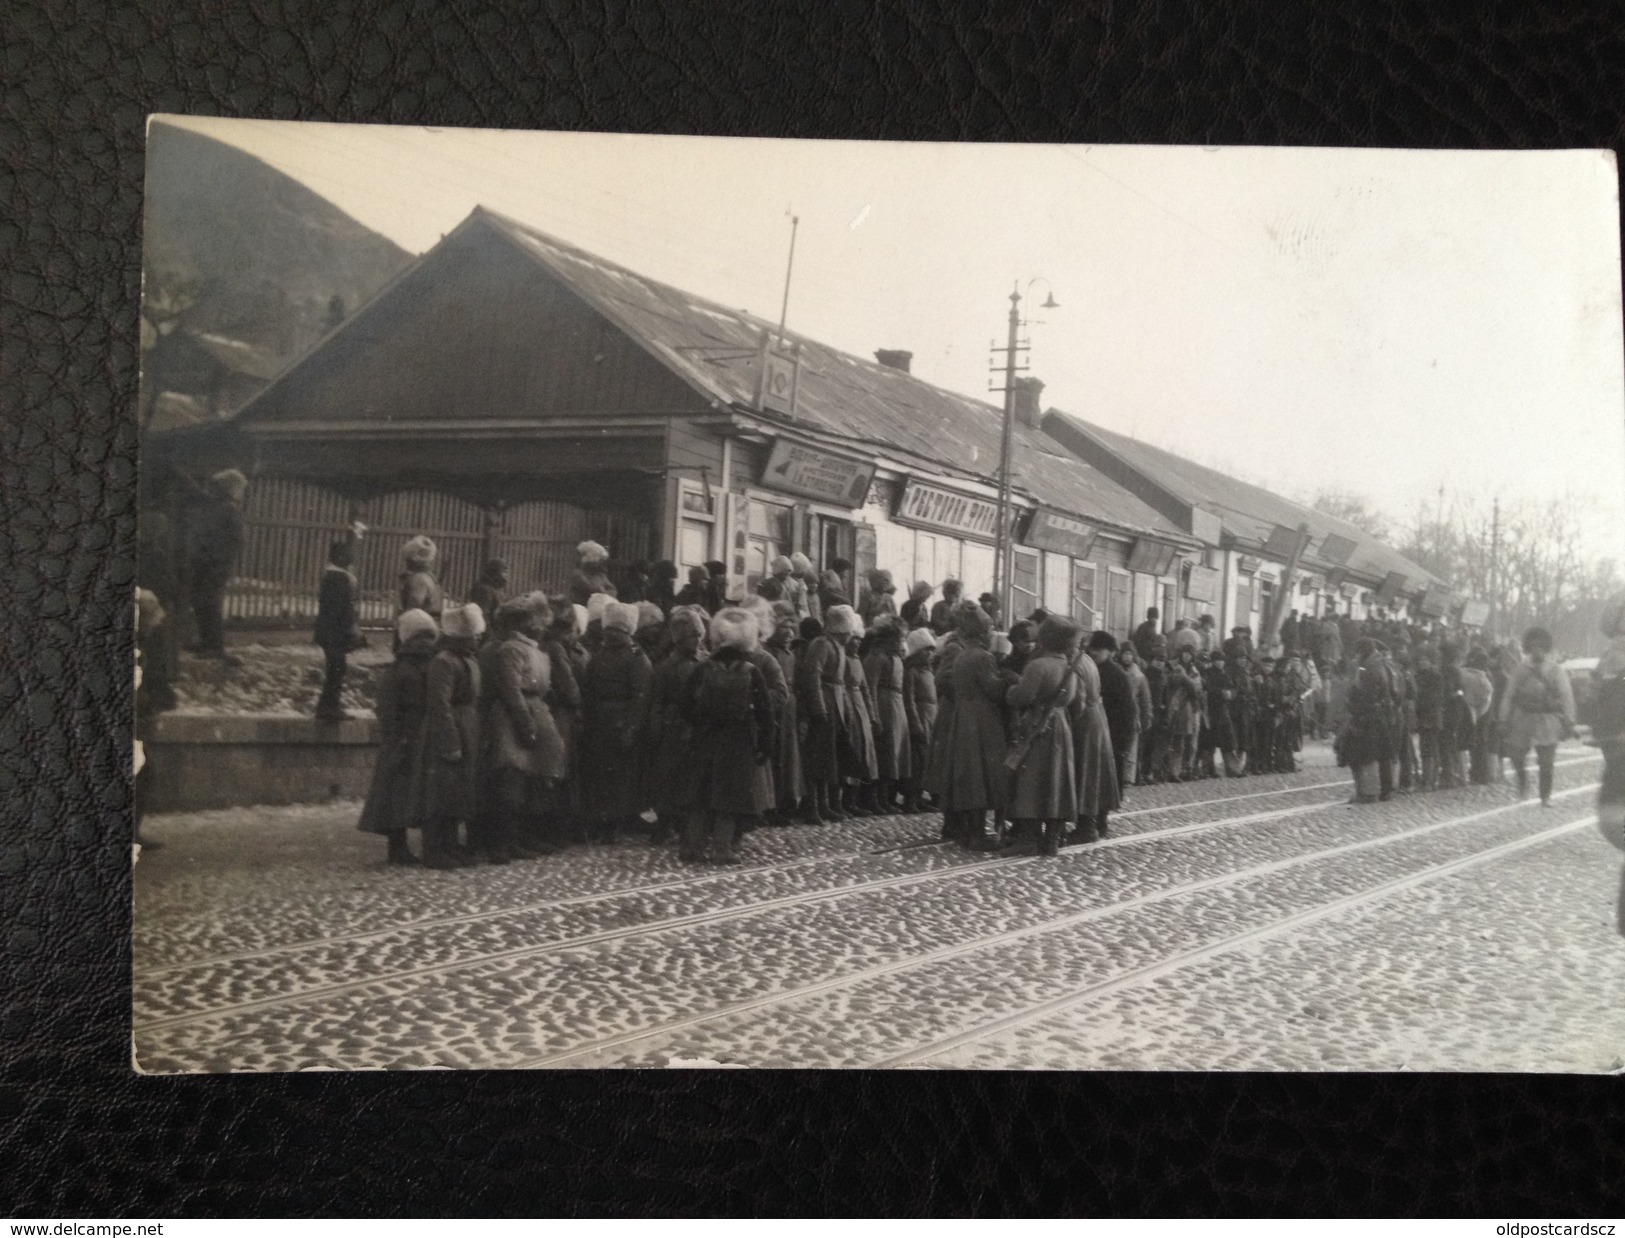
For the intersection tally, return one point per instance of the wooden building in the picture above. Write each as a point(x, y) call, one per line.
point(511, 395)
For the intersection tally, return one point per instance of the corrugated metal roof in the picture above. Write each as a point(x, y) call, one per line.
point(1250, 512)
point(851, 398)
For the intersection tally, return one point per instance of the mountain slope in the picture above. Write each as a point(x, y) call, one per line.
point(236, 252)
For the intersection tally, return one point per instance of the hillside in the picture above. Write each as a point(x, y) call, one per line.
point(244, 268)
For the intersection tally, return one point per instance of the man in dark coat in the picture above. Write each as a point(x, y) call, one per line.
point(730, 713)
point(1117, 698)
point(217, 540)
point(615, 703)
point(942, 614)
point(338, 627)
point(1146, 633)
point(490, 591)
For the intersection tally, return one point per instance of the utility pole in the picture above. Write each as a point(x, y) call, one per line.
point(789, 266)
point(1002, 550)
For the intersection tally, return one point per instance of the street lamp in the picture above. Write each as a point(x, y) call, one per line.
point(1003, 552)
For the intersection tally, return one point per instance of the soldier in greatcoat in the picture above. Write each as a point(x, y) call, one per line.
point(860, 761)
point(1045, 794)
point(920, 707)
point(524, 752)
point(615, 702)
point(731, 718)
point(419, 588)
point(668, 736)
point(394, 804)
point(883, 670)
point(450, 759)
point(789, 786)
point(821, 699)
point(972, 770)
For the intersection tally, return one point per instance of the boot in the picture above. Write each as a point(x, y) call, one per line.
point(695, 828)
point(980, 837)
point(1102, 830)
point(1049, 838)
point(399, 852)
point(831, 803)
point(817, 805)
point(1546, 774)
point(950, 826)
point(723, 830)
point(886, 795)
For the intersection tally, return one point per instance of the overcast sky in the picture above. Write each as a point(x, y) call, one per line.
point(1385, 322)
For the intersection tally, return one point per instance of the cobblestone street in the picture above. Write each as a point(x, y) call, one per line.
point(1261, 923)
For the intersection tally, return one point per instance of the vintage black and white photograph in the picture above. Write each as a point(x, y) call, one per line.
point(641, 602)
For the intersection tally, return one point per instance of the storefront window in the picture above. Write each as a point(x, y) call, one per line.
point(978, 569)
point(1118, 603)
point(1023, 584)
point(771, 529)
point(1057, 583)
point(1084, 606)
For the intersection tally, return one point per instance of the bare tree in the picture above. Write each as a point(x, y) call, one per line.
point(1354, 508)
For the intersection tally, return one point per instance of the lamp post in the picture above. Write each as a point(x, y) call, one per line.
point(1003, 542)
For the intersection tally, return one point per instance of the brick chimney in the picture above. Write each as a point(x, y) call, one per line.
point(1029, 407)
point(894, 358)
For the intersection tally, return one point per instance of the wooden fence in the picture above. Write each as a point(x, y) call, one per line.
point(289, 526)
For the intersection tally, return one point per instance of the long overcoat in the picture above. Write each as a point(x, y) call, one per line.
point(1046, 784)
point(920, 707)
point(788, 783)
point(720, 775)
point(1185, 692)
point(394, 800)
point(615, 703)
point(1222, 710)
point(821, 697)
point(778, 695)
point(1117, 695)
point(450, 760)
point(567, 661)
point(971, 770)
point(1093, 761)
point(937, 748)
point(669, 736)
point(520, 733)
point(884, 672)
point(861, 760)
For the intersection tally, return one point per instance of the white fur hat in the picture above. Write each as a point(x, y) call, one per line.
point(595, 606)
point(800, 562)
point(466, 621)
point(413, 623)
point(419, 551)
point(592, 552)
point(621, 616)
point(920, 638)
point(760, 609)
point(840, 621)
point(734, 626)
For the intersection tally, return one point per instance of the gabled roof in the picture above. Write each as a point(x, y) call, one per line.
point(1251, 512)
point(862, 402)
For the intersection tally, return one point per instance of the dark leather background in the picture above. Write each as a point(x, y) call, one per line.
point(82, 1136)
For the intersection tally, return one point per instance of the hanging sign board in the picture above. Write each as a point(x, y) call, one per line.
point(1434, 603)
point(779, 375)
point(932, 507)
point(1065, 535)
point(1475, 613)
point(1154, 558)
point(1336, 549)
point(1203, 584)
point(818, 474)
point(1335, 578)
point(1283, 543)
point(1392, 586)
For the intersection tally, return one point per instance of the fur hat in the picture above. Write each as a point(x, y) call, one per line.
point(800, 563)
point(734, 627)
point(538, 608)
point(691, 618)
point(1056, 634)
point(419, 552)
point(951, 587)
point(231, 483)
point(514, 612)
point(918, 639)
point(1101, 639)
point(414, 623)
point(922, 589)
point(857, 624)
point(464, 621)
point(650, 615)
point(880, 581)
point(596, 604)
point(972, 622)
point(783, 611)
point(840, 621)
point(495, 568)
point(620, 617)
point(760, 609)
point(781, 565)
point(592, 552)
